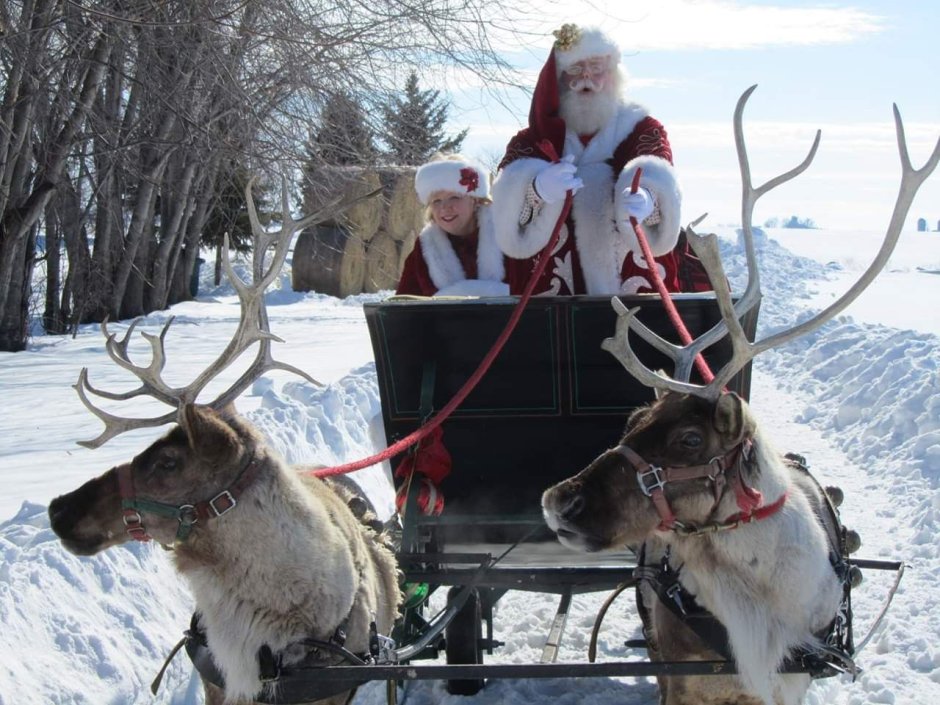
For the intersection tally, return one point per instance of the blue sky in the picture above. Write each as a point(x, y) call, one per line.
point(834, 66)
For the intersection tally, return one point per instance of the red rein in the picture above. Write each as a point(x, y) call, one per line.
point(674, 316)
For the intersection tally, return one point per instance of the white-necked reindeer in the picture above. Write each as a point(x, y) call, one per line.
point(696, 478)
point(275, 560)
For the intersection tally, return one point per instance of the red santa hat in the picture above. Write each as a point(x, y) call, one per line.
point(572, 44)
point(456, 175)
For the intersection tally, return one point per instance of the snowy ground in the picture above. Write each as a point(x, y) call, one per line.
point(860, 399)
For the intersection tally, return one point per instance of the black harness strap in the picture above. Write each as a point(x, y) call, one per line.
point(837, 635)
point(665, 583)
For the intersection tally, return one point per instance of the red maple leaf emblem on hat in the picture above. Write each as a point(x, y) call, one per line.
point(469, 178)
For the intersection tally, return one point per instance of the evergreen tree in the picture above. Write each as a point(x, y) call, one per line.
point(415, 125)
point(229, 215)
point(344, 138)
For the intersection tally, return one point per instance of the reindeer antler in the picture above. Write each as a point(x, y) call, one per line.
point(253, 327)
point(706, 247)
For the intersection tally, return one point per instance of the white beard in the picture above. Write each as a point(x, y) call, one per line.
point(587, 112)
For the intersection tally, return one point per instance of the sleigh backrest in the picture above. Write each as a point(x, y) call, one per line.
point(550, 400)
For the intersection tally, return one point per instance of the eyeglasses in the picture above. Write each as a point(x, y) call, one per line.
point(591, 67)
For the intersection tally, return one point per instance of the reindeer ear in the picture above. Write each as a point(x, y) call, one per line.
point(733, 418)
point(208, 434)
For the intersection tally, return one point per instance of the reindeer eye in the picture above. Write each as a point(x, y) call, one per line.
point(166, 462)
point(691, 439)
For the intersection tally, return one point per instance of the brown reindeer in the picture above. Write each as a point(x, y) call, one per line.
point(284, 569)
point(737, 529)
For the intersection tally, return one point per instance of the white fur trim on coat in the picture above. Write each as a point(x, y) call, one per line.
point(659, 177)
point(509, 191)
point(601, 246)
point(475, 287)
point(444, 266)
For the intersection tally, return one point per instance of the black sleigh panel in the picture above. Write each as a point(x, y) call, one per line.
point(552, 400)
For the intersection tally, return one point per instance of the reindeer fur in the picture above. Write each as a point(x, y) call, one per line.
point(770, 582)
point(290, 561)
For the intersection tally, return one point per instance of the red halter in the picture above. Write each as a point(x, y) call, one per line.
point(652, 479)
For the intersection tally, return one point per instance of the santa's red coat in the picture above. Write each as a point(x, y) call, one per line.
point(594, 254)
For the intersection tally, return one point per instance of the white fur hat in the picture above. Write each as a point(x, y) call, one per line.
point(462, 176)
point(573, 44)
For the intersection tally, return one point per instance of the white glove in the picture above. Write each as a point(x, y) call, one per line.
point(637, 205)
point(556, 179)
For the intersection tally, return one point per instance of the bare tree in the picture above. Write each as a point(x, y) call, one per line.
point(119, 120)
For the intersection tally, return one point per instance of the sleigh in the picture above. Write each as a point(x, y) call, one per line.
point(550, 401)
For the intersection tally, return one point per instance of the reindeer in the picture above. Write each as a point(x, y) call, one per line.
point(738, 529)
point(276, 560)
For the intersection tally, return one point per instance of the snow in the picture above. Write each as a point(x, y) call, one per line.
point(859, 398)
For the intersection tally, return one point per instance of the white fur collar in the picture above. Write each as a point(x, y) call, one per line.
point(602, 252)
point(444, 267)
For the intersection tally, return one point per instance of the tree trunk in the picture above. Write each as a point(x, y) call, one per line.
point(21, 214)
point(171, 239)
point(52, 314)
point(141, 221)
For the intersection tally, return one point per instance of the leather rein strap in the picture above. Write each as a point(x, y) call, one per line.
point(187, 514)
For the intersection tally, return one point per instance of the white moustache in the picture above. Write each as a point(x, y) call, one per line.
point(582, 83)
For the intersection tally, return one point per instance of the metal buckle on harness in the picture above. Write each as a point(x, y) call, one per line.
point(188, 515)
point(716, 464)
point(646, 485)
point(381, 647)
point(674, 592)
point(227, 500)
point(387, 648)
point(134, 526)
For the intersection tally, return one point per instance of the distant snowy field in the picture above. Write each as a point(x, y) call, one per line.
point(860, 398)
point(903, 296)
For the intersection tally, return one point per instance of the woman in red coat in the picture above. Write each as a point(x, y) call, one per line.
point(456, 253)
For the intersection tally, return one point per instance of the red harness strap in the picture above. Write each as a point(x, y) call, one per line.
point(652, 479)
point(671, 309)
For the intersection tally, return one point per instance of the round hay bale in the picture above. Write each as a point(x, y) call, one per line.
point(388, 176)
point(323, 187)
point(330, 260)
point(364, 217)
point(330, 184)
point(403, 206)
point(404, 249)
point(381, 263)
point(420, 219)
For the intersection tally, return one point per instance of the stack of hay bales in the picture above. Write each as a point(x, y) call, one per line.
point(363, 248)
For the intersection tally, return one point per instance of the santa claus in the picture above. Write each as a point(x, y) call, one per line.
point(603, 139)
